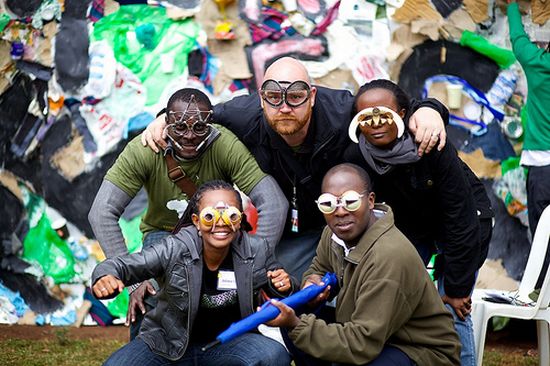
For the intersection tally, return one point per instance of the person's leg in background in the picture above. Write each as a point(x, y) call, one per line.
point(465, 330)
point(538, 197)
point(297, 252)
point(150, 301)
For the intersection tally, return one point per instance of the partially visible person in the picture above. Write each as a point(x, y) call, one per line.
point(199, 151)
point(535, 62)
point(388, 311)
point(297, 132)
point(213, 274)
point(438, 202)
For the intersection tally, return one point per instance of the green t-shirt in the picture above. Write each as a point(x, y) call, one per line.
point(138, 166)
point(536, 65)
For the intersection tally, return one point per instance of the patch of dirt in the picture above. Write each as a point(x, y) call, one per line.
point(116, 332)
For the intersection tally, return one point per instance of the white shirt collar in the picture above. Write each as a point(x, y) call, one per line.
point(341, 243)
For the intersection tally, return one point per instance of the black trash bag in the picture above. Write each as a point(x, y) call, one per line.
point(23, 8)
point(71, 54)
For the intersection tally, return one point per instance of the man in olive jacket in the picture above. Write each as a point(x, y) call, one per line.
point(388, 310)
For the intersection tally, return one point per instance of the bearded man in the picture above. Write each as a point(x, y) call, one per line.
point(297, 132)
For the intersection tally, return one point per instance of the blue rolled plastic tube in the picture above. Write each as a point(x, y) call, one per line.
point(269, 311)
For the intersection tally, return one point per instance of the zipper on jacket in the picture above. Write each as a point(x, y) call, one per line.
point(251, 285)
point(322, 146)
point(189, 307)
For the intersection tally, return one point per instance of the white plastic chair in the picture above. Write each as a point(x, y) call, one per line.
point(483, 310)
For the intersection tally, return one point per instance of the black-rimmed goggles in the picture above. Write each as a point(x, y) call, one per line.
point(294, 95)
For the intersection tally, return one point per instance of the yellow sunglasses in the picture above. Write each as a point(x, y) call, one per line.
point(230, 215)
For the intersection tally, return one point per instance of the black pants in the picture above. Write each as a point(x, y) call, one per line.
point(538, 197)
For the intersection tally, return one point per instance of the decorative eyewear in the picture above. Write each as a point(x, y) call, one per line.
point(192, 118)
point(350, 201)
point(374, 117)
point(294, 95)
point(230, 215)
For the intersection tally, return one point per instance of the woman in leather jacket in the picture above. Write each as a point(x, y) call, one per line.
point(211, 273)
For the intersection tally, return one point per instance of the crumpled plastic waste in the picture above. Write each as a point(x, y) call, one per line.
point(107, 119)
point(7, 311)
point(178, 38)
point(102, 70)
point(48, 11)
point(503, 57)
point(18, 303)
point(511, 189)
point(42, 244)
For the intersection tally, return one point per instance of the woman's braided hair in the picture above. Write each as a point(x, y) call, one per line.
point(193, 204)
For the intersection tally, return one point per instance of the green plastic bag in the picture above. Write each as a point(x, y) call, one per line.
point(132, 234)
point(4, 20)
point(503, 57)
point(118, 307)
point(44, 246)
point(509, 164)
point(141, 36)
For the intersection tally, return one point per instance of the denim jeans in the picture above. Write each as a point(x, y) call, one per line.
point(150, 302)
point(465, 330)
point(390, 356)
point(248, 349)
point(297, 252)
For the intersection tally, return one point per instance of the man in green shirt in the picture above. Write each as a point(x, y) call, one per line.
point(202, 150)
point(535, 62)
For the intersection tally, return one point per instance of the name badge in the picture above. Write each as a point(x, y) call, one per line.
point(226, 280)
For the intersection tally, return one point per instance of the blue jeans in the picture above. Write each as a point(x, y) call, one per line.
point(465, 330)
point(297, 252)
point(389, 356)
point(248, 349)
point(150, 302)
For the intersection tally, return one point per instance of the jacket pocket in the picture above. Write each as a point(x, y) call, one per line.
point(177, 288)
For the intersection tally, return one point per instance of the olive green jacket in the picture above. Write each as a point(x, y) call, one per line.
point(386, 297)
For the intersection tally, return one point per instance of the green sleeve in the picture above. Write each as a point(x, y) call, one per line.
point(238, 163)
point(524, 50)
point(132, 167)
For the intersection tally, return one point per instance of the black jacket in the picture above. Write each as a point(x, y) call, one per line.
point(323, 148)
point(439, 201)
point(177, 261)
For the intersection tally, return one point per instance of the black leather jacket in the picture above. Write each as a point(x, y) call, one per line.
point(177, 262)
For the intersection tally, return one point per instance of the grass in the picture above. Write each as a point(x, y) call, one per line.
point(61, 350)
point(499, 358)
point(57, 351)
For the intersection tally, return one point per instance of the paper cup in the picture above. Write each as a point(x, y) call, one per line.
point(454, 96)
point(60, 227)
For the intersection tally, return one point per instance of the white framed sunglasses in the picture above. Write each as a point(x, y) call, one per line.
point(351, 201)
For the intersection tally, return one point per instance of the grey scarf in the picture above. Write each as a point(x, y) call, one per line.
point(382, 160)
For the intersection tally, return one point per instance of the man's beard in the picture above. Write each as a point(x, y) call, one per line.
point(288, 125)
